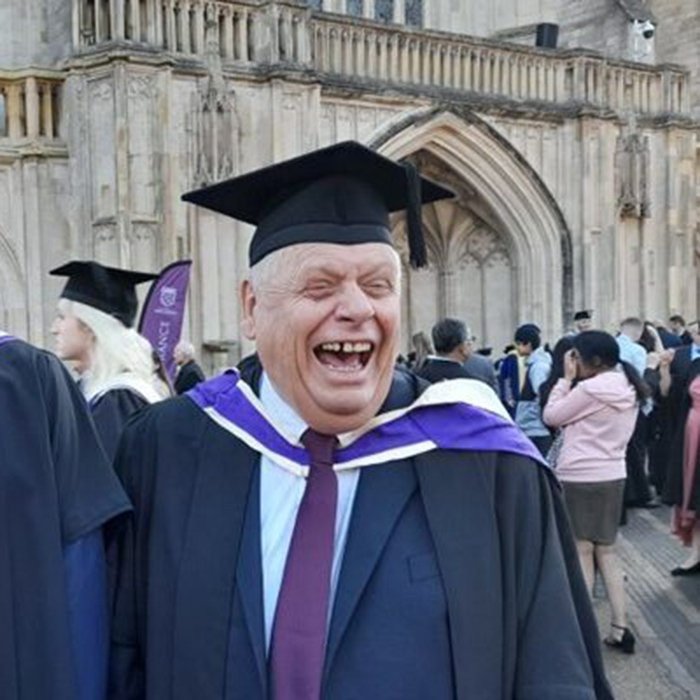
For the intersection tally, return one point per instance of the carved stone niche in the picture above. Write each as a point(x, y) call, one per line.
point(632, 175)
point(214, 118)
point(215, 133)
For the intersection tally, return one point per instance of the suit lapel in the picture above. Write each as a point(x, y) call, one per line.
point(382, 494)
point(207, 574)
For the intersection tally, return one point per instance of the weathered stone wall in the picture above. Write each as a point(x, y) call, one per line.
point(678, 37)
point(34, 32)
point(594, 24)
point(487, 18)
point(574, 187)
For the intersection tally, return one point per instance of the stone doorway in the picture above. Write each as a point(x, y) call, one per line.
point(500, 252)
point(471, 267)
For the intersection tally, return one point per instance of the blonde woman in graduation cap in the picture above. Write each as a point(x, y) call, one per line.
point(94, 330)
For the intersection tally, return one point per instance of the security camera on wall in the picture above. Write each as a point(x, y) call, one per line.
point(642, 40)
point(645, 29)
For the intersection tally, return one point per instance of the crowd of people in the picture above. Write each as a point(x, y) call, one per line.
point(616, 417)
point(324, 521)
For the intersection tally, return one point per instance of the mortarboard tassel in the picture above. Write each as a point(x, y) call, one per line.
point(416, 243)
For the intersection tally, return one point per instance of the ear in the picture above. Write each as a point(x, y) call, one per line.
point(248, 303)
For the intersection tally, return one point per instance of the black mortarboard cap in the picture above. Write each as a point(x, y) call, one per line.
point(108, 289)
point(584, 314)
point(341, 194)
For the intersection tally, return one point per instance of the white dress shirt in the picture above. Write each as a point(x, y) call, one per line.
point(280, 496)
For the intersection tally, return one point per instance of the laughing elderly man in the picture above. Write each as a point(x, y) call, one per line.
point(321, 526)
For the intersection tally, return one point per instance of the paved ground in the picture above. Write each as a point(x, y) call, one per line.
point(664, 614)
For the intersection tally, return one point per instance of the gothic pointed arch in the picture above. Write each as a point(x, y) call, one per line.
point(505, 195)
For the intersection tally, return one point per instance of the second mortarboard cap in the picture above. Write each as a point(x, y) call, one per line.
point(342, 194)
point(583, 315)
point(108, 289)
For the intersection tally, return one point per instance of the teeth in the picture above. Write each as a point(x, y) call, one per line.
point(347, 347)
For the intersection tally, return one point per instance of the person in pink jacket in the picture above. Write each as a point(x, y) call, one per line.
point(596, 404)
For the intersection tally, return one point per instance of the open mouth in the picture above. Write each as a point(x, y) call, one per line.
point(345, 356)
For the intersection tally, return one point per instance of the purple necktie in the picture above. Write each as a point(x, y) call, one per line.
point(299, 632)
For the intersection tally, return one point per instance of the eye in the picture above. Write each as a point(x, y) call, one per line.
point(378, 287)
point(318, 289)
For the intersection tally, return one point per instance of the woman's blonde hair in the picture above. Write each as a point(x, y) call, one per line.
point(116, 350)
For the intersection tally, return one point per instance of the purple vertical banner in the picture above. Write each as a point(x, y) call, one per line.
point(164, 311)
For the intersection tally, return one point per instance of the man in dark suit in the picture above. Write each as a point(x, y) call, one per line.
point(318, 527)
point(684, 356)
point(678, 328)
point(451, 341)
point(189, 373)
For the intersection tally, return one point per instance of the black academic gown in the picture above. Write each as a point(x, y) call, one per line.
point(519, 617)
point(677, 406)
point(56, 491)
point(111, 412)
point(434, 370)
point(188, 376)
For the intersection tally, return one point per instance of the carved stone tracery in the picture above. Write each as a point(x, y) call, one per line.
point(631, 171)
point(215, 122)
point(468, 256)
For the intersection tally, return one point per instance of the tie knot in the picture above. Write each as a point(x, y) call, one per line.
point(320, 447)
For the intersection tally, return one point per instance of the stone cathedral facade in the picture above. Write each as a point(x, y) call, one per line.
point(575, 168)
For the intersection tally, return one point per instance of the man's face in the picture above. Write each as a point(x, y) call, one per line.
point(676, 327)
point(74, 340)
point(326, 326)
point(523, 349)
point(583, 324)
point(694, 330)
point(632, 331)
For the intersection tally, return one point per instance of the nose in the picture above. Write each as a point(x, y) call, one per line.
point(354, 306)
point(54, 327)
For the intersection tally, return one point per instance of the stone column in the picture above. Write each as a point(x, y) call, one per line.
point(98, 22)
point(121, 140)
point(135, 8)
point(400, 11)
point(184, 28)
point(117, 15)
point(242, 38)
point(32, 225)
point(303, 29)
point(227, 19)
point(77, 23)
point(14, 111)
point(32, 107)
point(47, 110)
point(156, 23)
point(198, 47)
point(170, 29)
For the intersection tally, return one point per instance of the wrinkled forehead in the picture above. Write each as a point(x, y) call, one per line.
point(307, 259)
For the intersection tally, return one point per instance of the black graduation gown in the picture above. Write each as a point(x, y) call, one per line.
point(677, 407)
point(188, 376)
point(438, 370)
point(110, 413)
point(520, 619)
point(56, 490)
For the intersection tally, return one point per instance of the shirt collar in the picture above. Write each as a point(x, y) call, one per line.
point(532, 357)
point(287, 418)
point(694, 351)
point(443, 359)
